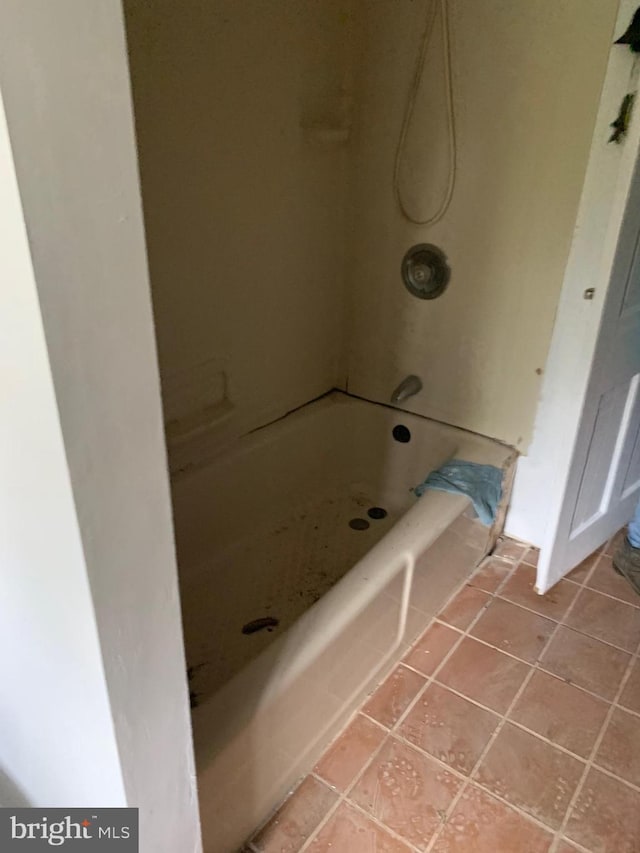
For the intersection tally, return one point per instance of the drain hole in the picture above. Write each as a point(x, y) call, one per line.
point(358, 524)
point(377, 512)
point(268, 622)
point(401, 433)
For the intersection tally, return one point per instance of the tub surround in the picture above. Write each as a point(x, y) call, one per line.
point(273, 536)
point(267, 135)
point(274, 239)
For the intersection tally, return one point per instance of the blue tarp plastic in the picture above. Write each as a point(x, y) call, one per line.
point(481, 483)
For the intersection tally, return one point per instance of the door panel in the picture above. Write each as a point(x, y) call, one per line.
point(631, 298)
point(604, 479)
point(591, 501)
point(632, 474)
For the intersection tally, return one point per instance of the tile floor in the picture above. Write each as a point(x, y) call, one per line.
point(513, 724)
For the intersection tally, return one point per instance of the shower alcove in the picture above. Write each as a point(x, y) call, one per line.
point(290, 154)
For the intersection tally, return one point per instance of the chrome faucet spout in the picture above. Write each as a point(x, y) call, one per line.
point(407, 388)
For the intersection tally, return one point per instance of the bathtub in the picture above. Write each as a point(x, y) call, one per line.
point(307, 567)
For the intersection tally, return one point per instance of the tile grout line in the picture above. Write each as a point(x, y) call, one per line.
point(344, 796)
point(539, 663)
point(631, 785)
point(299, 783)
point(578, 847)
point(470, 779)
point(572, 627)
point(594, 750)
point(466, 780)
point(463, 634)
point(579, 589)
point(536, 666)
point(499, 728)
point(541, 669)
point(626, 710)
point(612, 596)
point(559, 834)
point(393, 730)
point(392, 733)
point(433, 679)
point(526, 729)
point(568, 627)
point(581, 586)
point(356, 807)
point(514, 723)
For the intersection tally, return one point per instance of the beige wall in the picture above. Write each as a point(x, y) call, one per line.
point(51, 719)
point(95, 705)
point(244, 206)
point(527, 78)
point(275, 247)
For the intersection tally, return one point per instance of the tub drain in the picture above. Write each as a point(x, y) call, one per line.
point(268, 622)
point(358, 524)
point(401, 433)
point(377, 512)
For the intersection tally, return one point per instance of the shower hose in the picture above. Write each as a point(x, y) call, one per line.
point(432, 14)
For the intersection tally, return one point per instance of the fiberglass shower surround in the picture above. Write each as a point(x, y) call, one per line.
point(296, 203)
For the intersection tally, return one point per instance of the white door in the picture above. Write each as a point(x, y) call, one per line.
point(603, 485)
point(579, 481)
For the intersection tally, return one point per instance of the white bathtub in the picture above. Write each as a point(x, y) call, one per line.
point(264, 532)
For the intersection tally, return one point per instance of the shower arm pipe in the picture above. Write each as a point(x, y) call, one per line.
point(410, 108)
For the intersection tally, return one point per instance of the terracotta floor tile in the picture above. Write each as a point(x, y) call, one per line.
point(450, 728)
point(630, 697)
point(513, 630)
point(510, 549)
point(520, 590)
point(585, 662)
point(531, 557)
point(490, 575)
point(531, 774)
point(297, 818)
point(606, 619)
point(349, 831)
point(482, 824)
point(561, 712)
point(406, 791)
point(582, 570)
point(606, 817)
point(484, 674)
point(431, 649)
point(464, 608)
point(606, 579)
point(342, 762)
point(619, 752)
point(392, 698)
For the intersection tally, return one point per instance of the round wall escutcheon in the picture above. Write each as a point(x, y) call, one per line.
point(425, 271)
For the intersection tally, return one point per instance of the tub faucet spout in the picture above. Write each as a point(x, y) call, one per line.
point(407, 388)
